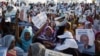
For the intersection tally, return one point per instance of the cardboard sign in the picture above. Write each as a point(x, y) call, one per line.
point(40, 20)
point(88, 32)
point(54, 53)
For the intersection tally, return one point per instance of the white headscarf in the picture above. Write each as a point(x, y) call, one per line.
point(7, 40)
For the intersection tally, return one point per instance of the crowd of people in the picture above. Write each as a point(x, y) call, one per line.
point(21, 37)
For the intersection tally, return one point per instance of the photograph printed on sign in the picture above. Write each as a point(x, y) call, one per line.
point(85, 33)
point(85, 40)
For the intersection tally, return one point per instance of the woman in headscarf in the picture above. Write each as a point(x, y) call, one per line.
point(9, 43)
point(26, 38)
point(36, 49)
point(47, 38)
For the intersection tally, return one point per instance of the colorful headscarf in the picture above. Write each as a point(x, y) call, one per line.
point(25, 43)
point(48, 27)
